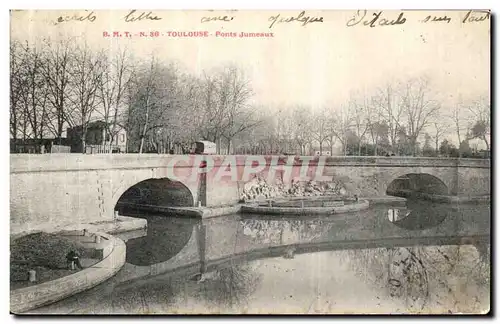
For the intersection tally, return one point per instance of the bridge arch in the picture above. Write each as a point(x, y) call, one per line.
point(417, 183)
point(156, 191)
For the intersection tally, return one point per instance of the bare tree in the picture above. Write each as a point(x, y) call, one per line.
point(226, 93)
point(320, 127)
point(112, 91)
point(378, 132)
point(56, 70)
point(481, 111)
point(301, 116)
point(342, 126)
point(86, 75)
point(440, 129)
point(457, 118)
point(388, 104)
point(32, 93)
point(330, 138)
point(419, 108)
point(17, 86)
point(213, 115)
point(186, 120)
point(362, 108)
point(155, 95)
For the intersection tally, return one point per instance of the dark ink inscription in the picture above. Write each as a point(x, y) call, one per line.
point(377, 20)
point(219, 18)
point(133, 16)
point(476, 16)
point(89, 17)
point(437, 19)
point(302, 18)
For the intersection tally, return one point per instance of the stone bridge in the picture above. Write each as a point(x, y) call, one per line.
point(57, 189)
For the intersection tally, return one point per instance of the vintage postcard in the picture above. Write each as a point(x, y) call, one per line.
point(250, 162)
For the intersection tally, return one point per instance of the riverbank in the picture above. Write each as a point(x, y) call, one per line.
point(112, 258)
point(44, 255)
point(101, 259)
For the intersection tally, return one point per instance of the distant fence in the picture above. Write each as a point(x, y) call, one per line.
point(99, 149)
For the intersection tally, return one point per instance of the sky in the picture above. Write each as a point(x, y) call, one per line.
point(316, 64)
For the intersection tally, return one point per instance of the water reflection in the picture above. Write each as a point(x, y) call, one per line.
point(284, 231)
point(230, 286)
point(431, 279)
point(164, 239)
point(155, 297)
point(418, 215)
point(396, 214)
point(307, 265)
point(434, 279)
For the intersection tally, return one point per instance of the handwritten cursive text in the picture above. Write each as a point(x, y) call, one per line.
point(133, 16)
point(359, 18)
point(437, 19)
point(89, 17)
point(219, 18)
point(476, 16)
point(300, 18)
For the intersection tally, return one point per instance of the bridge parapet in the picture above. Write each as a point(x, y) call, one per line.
point(63, 162)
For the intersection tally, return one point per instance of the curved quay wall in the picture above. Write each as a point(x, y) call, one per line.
point(255, 208)
point(24, 299)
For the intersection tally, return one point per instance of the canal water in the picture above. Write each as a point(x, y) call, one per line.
point(418, 257)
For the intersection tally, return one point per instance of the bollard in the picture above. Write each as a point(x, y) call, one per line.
point(98, 239)
point(32, 275)
point(199, 204)
point(116, 215)
point(301, 204)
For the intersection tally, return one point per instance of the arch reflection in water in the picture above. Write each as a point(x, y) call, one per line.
point(418, 215)
point(165, 239)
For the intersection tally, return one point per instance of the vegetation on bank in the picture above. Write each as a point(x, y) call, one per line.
point(45, 253)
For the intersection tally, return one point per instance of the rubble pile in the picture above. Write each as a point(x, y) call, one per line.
point(258, 188)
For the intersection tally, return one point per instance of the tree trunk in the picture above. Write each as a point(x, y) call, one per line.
point(143, 135)
point(486, 142)
point(83, 144)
